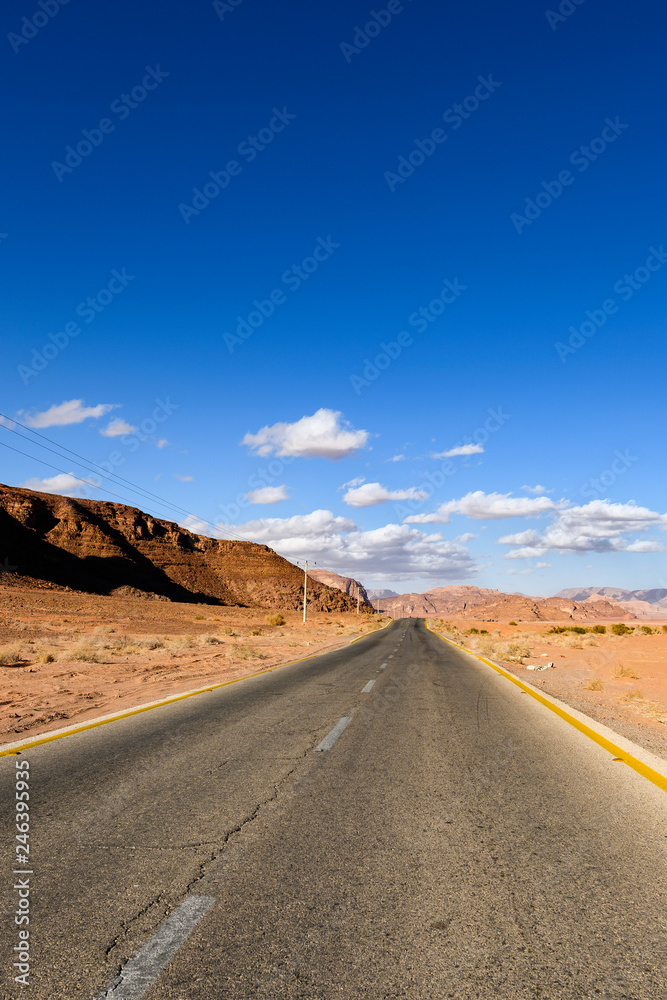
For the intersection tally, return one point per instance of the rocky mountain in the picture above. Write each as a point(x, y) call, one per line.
point(643, 603)
point(347, 584)
point(480, 604)
point(376, 595)
point(48, 540)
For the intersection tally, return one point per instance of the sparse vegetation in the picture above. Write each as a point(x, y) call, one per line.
point(620, 629)
point(512, 623)
point(10, 656)
point(85, 652)
point(599, 629)
point(594, 684)
point(275, 619)
point(634, 695)
point(623, 671)
point(646, 629)
point(242, 652)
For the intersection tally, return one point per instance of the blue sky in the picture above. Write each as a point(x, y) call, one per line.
point(253, 254)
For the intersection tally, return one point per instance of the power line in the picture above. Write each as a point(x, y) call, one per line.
point(86, 482)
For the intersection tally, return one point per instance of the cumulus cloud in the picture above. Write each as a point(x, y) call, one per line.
point(117, 427)
point(466, 537)
point(371, 494)
point(268, 494)
point(66, 484)
point(486, 506)
point(396, 458)
point(72, 411)
point(183, 479)
point(598, 526)
point(322, 435)
point(463, 449)
point(394, 551)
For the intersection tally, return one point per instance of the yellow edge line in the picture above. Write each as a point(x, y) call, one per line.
point(371, 633)
point(160, 704)
point(646, 772)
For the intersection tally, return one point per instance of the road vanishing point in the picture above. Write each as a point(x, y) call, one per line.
point(394, 819)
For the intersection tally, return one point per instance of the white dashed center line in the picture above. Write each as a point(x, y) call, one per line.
point(137, 977)
point(368, 688)
point(331, 738)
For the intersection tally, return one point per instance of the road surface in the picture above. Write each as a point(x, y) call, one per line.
point(454, 838)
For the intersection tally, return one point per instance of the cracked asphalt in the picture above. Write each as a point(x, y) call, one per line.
point(458, 840)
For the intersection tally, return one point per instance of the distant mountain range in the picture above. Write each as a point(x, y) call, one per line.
point(480, 604)
point(376, 595)
point(345, 583)
point(643, 603)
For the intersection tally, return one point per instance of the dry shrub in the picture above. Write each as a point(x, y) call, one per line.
point(590, 641)
point(243, 652)
point(594, 684)
point(86, 652)
point(46, 657)
point(275, 619)
point(256, 631)
point(623, 671)
point(211, 640)
point(10, 656)
point(633, 695)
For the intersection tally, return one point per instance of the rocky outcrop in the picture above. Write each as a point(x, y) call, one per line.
point(54, 541)
point(345, 583)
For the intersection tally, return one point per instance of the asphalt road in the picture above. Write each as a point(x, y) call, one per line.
point(457, 840)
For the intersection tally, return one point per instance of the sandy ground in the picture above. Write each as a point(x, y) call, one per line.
point(68, 657)
point(620, 680)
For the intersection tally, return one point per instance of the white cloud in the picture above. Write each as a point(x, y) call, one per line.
point(184, 479)
point(483, 506)
point(396, 458)
point(371, 494)
point(162, 443)
point(357, 481)
point(531, 569)
point(268, 494)
point(536, 490)
point(463, 449)
point(392, 552)
point(117, 427)
point(196, 525)
point(466, 537)
point(70, 412)
point(322, 435)
point(599, 526)
point(67, 484)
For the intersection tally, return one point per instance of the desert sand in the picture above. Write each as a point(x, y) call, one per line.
point(67, 658)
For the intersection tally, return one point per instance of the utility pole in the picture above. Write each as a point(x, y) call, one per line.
point(305, 589)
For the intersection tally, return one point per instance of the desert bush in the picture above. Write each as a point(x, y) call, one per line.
point(46, 657)
point(623, 671)
point(484, 631)
point(256, 631)
point(620, 629)
point(589, 641)
point(275, 619)
point(242, 652)
point(633, 695)
point(473, 631)
point(210, 640)
point(646, 629)
point(86, 652)
point(10, 656)
point(511, 623)
point(594, 684)
point(664, 628)
point(599, 629)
